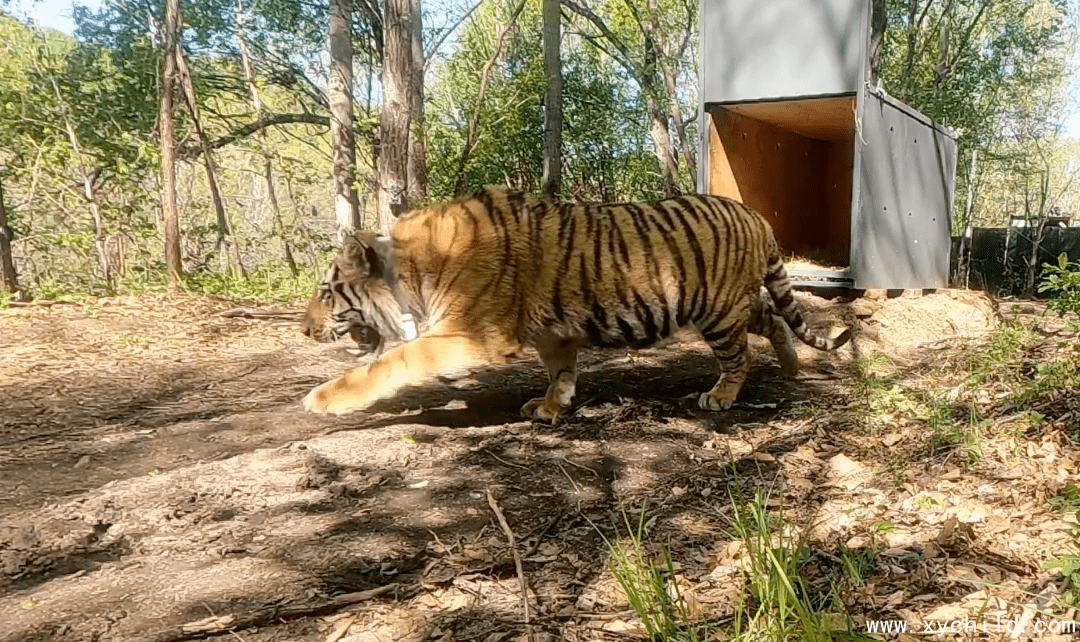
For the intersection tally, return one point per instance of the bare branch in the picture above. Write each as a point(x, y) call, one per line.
point(624, 58)
point(446, 34)
point(193, 151)
point(485, 78)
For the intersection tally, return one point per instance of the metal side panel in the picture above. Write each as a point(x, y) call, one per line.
point(906, 178)
point(761, 49)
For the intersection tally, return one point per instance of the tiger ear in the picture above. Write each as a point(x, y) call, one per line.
point(354, 254)
point(360, 255)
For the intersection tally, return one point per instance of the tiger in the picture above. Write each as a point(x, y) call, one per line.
point(374, 338)
point(491, 273)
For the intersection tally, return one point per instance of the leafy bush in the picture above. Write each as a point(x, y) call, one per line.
point(1063, 280)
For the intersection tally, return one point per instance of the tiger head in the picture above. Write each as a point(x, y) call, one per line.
point(318, 324)
point(355, 298)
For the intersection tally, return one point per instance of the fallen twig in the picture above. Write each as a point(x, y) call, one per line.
point(262, 315)
point(513, 549)
point(340, 629)
point(37, 304)
point(225, 623)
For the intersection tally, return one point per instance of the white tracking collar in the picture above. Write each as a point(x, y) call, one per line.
point(409, 325)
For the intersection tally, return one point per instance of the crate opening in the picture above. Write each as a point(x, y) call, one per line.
point(792, 160)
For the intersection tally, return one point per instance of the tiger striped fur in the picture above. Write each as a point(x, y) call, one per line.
point(491, 273)
point(371, 336)
point(766, 321)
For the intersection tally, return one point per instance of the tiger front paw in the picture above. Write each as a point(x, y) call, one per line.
point(327, 398)
point(541, 408)
point(708, 402)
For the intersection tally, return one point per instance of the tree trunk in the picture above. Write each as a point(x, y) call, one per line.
point(342, 138)
point(661, 132)
point(941, 69)
point(89, 194)
point(878, 22)
point(224, 231)
point(9, 279)
point(661, 136)
point(268, 172)
point(680, 124)
point(417, 171)
point(1031, 265)
point(964, 260)
point(173, 267)
point(646, 77)
point(914, 28)
point(658, 59)
point(394, 119)
point(89, 190)
point(552, 35)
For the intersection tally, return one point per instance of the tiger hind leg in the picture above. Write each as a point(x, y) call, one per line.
point(765, 321)
point(407, 364)
point(560, 359)
point(773, 327)
point(732, 351)
point(785, 348)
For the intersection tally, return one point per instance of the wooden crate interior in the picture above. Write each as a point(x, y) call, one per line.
point(792, 161)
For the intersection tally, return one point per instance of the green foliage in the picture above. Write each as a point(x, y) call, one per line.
point(1062, 373)
point(858, 564)
point(779, 603)
point(998, 378)
point(1068, 565)
point(890, 399)
point(650, 588)
point(1001, 81)
point(776, 563)
point(269, 283)
point(965, 437)
point(1063, 281)
point(606, 135)
point(102, 91)
point(1068, 498)
point(1000, 359)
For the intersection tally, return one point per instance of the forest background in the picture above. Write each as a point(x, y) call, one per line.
point(433, 98)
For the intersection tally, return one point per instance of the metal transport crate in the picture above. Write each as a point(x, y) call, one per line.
point(849, 176)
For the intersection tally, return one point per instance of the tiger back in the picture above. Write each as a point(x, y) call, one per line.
point(491, 273)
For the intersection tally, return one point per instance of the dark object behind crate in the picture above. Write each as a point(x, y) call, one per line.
point(1000, 271)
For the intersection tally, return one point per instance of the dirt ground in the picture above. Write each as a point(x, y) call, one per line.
point(159, 481)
